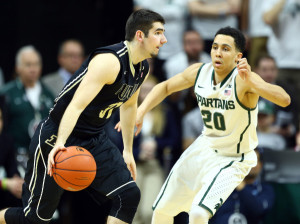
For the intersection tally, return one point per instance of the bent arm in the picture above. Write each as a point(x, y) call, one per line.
point(103, 69)
point(271, 17)
point(271, 92)
point(198, 8)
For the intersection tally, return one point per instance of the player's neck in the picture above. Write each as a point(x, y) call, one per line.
point(221, 75)
point(135, 52)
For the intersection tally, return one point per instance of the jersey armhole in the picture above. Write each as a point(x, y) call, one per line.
point(198, 75)
point(107, 51)
point(237, 99)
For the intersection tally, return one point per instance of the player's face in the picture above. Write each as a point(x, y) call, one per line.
point(155, 39)
point(224, 54)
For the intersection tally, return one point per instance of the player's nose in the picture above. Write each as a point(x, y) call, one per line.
point(163, 39)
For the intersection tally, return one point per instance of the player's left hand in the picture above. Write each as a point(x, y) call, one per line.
point(244, 69)
point(129, 160)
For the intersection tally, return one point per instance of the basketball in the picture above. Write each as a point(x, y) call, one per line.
point(74, 168)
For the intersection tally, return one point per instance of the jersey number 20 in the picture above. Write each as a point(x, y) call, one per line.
point(218, 120)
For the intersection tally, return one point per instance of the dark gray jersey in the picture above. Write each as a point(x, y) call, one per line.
point(100, 109)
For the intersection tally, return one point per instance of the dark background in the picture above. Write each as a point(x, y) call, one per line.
point(46, 23)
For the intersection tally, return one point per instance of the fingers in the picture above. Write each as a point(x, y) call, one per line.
point(118, 126)
point(51, 162)
point(138, 129)
point(133, 173)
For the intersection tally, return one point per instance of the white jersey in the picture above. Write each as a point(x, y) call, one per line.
point(229, 126)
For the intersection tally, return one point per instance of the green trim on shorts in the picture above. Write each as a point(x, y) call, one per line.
point(207, 208)
point(210, 186)
point(153, 207)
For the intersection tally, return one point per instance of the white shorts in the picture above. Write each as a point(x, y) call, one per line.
point(202, 177)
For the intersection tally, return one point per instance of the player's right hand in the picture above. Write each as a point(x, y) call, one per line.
point(51, 156)
point(138, 124)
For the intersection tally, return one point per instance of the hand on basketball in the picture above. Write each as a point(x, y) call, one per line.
point(51, 156)
point(129, 160)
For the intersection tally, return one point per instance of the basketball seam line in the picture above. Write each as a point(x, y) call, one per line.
point(76, 170)
point(70, 182)
point(72, 157)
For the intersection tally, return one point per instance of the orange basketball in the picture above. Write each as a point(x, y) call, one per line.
point(74, 168)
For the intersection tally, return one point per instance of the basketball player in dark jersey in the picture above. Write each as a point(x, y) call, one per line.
point(110, 78)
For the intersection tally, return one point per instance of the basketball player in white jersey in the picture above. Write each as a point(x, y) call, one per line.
point(210, 169)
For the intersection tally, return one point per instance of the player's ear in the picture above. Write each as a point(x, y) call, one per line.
point(238, 57)
point(139, 35)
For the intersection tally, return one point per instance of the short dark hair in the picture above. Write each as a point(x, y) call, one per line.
point(143, 20)
point(238, 36)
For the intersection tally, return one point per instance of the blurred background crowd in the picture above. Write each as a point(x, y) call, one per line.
point(44, 42)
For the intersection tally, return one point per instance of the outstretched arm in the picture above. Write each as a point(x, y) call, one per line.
point(178, 82)
point(103, 69)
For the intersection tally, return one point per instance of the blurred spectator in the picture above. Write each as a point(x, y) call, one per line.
point(193, 52)
point(192, 126)
point(211, 15)
point(283, 44)
point(266, 138)
point(249, 202)
point(27, 100)
point(255, 28)
point(297, 147)
point(174, 12)
point(152, 150)
point(285, 118)
point(1, 78)
point(70, 57)
point(10, 181)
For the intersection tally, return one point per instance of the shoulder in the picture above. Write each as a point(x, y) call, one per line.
point(104, 66)
point(51, 76)
point(107, 60)
point(9, 87)
point(191, 72)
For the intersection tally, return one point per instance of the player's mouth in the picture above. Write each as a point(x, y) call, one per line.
point(217, 63)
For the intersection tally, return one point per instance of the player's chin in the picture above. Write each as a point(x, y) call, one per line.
point(153, 55)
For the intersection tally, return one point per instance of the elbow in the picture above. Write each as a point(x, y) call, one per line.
point(286, 101)
point(268, 19)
